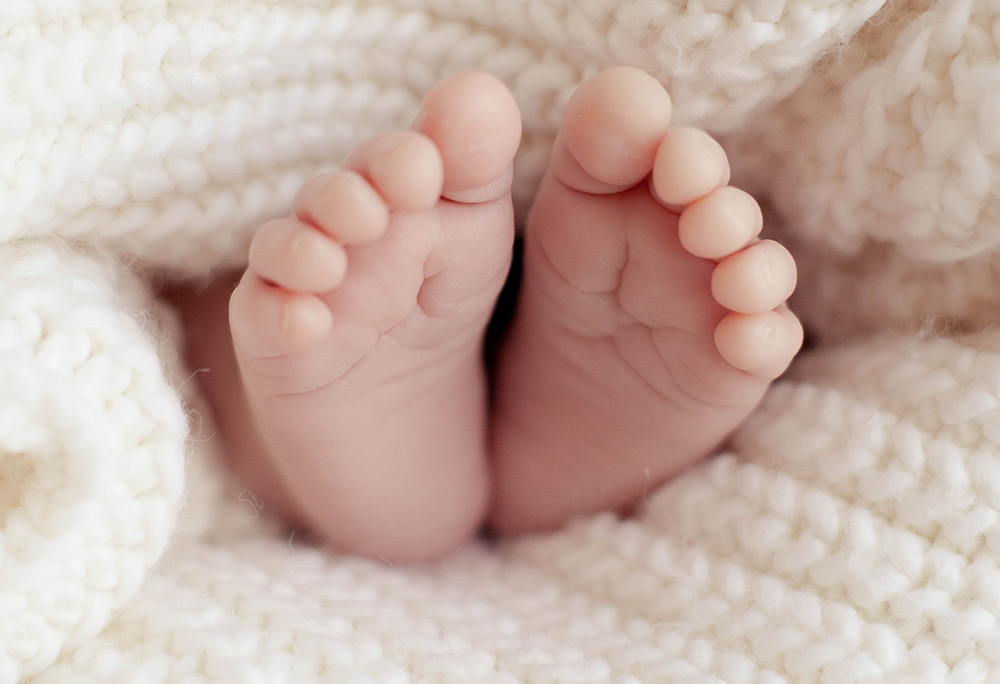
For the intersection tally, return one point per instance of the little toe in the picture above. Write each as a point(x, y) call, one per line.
point(756, 279)
point(268, 321)
point(404, 166)
point(343, 204)
point(297, 257)
point(611, 131)
point(760, 344)
point(475, 123)
point(719, 224)
point(689, 164)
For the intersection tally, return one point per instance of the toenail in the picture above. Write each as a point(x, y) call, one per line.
point(765, 268)
point(778, 267)
point(418, 122)
point(403, 152)
point(718, 153)
point(770, 334)
point(747, 208)
point(338, 180)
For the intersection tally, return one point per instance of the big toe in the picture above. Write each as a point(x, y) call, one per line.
point(475, 123)
point(611, 130)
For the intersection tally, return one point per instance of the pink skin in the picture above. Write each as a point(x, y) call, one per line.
point(650, 322)
point(359, 323)
point(642, 337)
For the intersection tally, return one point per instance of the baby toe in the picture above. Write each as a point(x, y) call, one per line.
point(343, 204)
point(268, 321)
point(297, 257)
point(756, 279)
point(474, 120)
point(720, 223)
point(404, 166)
point(760, 344)
point(611, 130)
point(689, 164)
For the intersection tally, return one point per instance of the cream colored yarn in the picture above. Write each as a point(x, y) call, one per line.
point(167, 129)
point(885, 165)
point(91, 452)
point(849, 533)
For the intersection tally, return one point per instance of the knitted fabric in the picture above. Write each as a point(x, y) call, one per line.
point(850, 530)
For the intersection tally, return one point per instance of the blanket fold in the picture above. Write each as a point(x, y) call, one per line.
point(92, 444)
point(846, 536)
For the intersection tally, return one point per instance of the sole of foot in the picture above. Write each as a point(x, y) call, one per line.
point(359, 322)
point(651, 318)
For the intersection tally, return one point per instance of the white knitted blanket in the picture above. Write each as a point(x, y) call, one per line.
point(849, 533)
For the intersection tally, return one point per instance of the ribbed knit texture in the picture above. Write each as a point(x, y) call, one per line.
point(849, 532)
point(91, 452)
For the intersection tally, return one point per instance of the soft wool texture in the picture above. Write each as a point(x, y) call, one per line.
point(850, 532)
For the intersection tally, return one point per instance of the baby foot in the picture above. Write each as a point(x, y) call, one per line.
point(650, 320)
point(359, 322)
